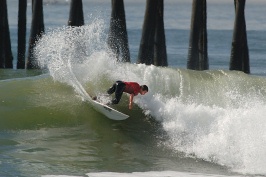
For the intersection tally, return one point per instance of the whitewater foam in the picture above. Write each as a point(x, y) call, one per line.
point(142, 174)
point(214, 115)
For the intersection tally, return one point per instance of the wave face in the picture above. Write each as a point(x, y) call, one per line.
point(218, 116)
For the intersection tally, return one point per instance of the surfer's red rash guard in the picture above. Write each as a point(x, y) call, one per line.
point(132, 87)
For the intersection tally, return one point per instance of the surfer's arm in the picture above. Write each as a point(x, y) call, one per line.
point(130, 100)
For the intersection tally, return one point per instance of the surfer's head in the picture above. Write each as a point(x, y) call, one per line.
point(143, 89)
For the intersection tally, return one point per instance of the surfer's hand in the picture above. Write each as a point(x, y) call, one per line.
point(130, 105)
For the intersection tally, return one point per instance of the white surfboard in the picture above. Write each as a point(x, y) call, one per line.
point(109, 112)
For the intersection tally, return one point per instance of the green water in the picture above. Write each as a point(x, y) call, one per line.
point(46, 128)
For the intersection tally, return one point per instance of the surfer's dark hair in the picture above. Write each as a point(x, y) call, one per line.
point(144, 88)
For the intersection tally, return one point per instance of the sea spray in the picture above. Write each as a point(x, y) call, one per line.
point(218, 116)
point(230, 133)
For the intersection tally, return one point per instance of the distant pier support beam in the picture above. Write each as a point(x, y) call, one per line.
point(117, 38)
point(198, 43)
point(6, 58)
point(239, 59)
point(76, 17)
point(37, 29)
point(22, 26)
point(146, 48)
point(160, 54)
point(152, 49)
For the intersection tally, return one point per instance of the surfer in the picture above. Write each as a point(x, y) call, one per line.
point(132, 88)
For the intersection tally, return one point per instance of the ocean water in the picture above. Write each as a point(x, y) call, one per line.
point(191, 123)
